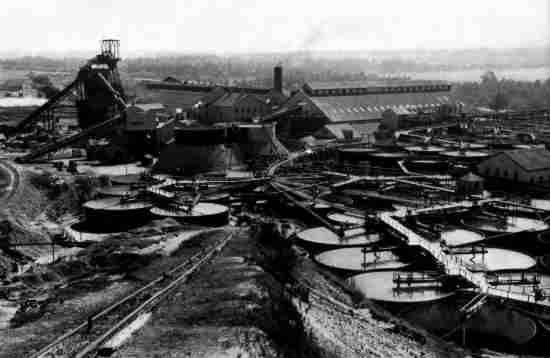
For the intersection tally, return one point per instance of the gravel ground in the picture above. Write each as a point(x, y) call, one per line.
point(238, 306)
point(73, 303)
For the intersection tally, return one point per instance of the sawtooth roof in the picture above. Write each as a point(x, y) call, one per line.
point(530, 159)
point(316, 85)
point(371, 106)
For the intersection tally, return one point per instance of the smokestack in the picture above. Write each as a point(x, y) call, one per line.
point(278, 78)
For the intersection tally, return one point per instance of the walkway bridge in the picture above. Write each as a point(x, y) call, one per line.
point(452, 264)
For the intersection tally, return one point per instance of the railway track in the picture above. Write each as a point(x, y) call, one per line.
point(87, 339)
point(12, 172)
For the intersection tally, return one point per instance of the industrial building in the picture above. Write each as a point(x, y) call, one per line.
point(521, 165)
point(148, 127)
point(362, 105)
point(211, 103)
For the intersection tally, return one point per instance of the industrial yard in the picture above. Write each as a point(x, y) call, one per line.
point(357, 218)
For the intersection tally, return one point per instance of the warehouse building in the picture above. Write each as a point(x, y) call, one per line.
point(521, 165)
point(210, 102)
point(148, 128)
point(360, 103)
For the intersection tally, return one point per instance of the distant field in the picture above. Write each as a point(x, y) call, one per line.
point(9, 74)
point(518, 74)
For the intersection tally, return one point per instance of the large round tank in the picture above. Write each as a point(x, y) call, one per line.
point(390, 156)
point(425, 150)
point(204, 214)
point(345, 219)
point(465, 155)
point(497, 260)
point(543, 237)
point(493, 322)
point(115, 211)
point(543, 204)
point(359, 259)
point(199, 136)
point(259, 139)
point(380, 286)
point(324, 237)
point(355, 154)
point(505, 225)
point(127, 179)
point(428, 166)
point(117, 190)
point(510, 208)
point(457, 237)
point(320, 208)
point(191, 159)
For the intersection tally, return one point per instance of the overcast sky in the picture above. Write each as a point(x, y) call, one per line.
point(38, 26)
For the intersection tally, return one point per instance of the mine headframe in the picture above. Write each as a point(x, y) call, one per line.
point(97, 88)
point(101, 103)
point(100, 90)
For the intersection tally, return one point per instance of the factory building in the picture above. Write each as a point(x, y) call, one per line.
point(358, 103)
point(211, 103)
point(148, 127)
point(237, 107)
point(172, 93)
point(18, 87)
point(521, 165)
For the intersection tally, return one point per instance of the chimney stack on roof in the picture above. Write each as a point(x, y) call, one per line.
point(278, 78)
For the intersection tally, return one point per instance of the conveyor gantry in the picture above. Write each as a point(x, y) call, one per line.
point(453, 265)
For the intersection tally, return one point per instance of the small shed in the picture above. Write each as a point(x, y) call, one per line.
point(470, 184)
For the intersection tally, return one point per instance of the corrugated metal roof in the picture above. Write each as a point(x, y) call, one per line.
point(227, 100)
point(530, 159)
point(149, 106)
point(315, 85)
point(343, 108)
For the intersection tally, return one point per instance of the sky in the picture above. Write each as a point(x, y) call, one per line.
point(240, 26)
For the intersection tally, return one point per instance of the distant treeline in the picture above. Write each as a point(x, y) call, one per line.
point(501, 94)
point(257, 70)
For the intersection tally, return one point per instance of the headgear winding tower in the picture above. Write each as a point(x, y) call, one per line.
point(96, 103)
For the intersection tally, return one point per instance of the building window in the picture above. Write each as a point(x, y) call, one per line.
point(541, 179)
point(516, 176)
point(497, 172)
point(505, 173)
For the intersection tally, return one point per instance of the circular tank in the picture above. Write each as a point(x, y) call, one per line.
point(116, 211)
point(543, 279)
point(355, 154)
point(475, 145)
point(544, 238)
point(354, 259)
point(390, 155)
point(543, 204)
point(325, 237)
point(217, 197)
point(117, 190)
point(204, 214)
point(380, 286)
point(497, 260)
point(345, 219)
point(465, 154)
point(127, 179)
point(493, 321)
point(200, 136)
point(456, 237)
point(511, 208)
point(322, 208)
point(507, 225)
point(428, 149)
point(427, 166)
